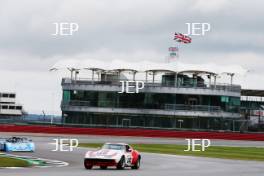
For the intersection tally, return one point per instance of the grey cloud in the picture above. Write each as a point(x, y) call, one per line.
point(127, 26)
point(128, 30)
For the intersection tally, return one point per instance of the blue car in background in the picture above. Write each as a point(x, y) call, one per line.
point(16, 144)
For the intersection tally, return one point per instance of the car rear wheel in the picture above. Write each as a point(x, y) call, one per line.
point(87, 165)
point(137, 165)
point(121, 163)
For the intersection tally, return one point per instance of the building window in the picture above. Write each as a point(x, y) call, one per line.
point(19, 107)
point(11, 107)
point(5, 95)
point(224, 99)
point(235, 101)
point(5, 107)
point(66, 95)
point(12, 96)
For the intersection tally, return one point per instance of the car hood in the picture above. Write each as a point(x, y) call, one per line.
point(104, 153)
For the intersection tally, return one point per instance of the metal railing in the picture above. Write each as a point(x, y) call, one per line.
point(192, 107)
point(167, 107)
point(77, 103)
point(179, 84)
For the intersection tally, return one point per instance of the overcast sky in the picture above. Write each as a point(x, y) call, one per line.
point(130, 30)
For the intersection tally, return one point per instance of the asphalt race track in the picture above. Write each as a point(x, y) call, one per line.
point(152, 164)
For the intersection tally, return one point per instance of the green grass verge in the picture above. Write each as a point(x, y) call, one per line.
point(237, 153)
point(13, 162)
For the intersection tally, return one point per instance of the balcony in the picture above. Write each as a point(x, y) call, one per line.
point(198, 88)
point(167, 109)
point(203, 108)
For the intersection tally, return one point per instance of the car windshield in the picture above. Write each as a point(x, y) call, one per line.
point(16, 140)
point(113, 146)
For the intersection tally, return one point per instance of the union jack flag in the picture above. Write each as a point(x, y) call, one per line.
point(182, 38)
point(173, 49)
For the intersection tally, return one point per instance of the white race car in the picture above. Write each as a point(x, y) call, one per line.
point(120, 155)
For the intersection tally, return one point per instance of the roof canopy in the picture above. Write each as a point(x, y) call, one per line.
point(160, 71)
point(198, 72)
point(149, 66)
point(252, 92)
point(125, 70)
point(94, 69)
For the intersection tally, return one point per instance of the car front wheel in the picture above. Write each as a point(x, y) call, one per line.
point(137, 165)
point(121, 163)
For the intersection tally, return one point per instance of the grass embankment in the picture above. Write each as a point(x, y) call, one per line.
point(13, 162)
point(237, 153)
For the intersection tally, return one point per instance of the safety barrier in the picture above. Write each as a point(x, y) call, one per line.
point(131, 132)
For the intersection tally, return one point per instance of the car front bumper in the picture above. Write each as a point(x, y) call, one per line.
point(100, 162)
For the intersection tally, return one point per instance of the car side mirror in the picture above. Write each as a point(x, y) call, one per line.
point(129, 150)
